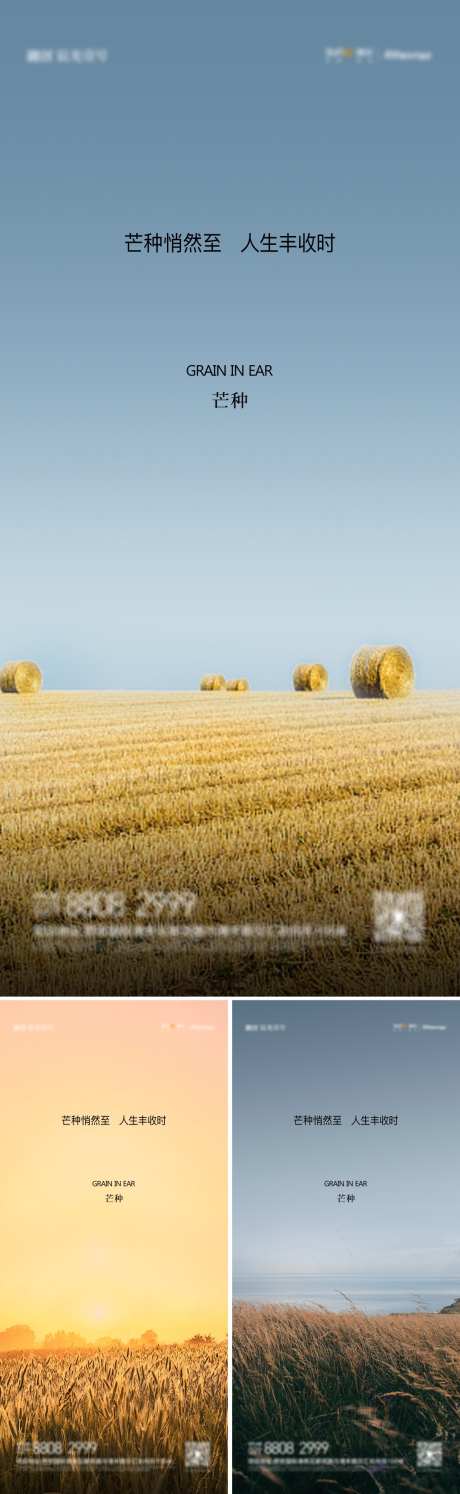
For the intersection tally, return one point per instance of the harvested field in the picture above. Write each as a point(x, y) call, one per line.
point(265, 809)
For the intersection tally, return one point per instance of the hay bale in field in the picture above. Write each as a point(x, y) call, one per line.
point(382, 673)
point(237, 685)
point(212, 682)
point(310, 677)
point(20, 677)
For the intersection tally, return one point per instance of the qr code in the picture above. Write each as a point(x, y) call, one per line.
point(429, 1454)
point(197, 1454)
point(399, 917)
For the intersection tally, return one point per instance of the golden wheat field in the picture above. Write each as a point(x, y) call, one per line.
point(368, 1386)
point(271, 809)
point(132, 1403)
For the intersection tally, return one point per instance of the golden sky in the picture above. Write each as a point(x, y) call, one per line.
point(68, 1259)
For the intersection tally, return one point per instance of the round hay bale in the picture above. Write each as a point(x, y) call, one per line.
point(382, 673)
point(310, 677)
point(237, 685)
point(20, 677)
point(213, 682)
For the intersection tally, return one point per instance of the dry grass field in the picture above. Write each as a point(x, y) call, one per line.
point(272, 809)
point(367, 1386)
point(133, 1403)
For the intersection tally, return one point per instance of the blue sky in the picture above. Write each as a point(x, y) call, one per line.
point(343, 1057)
point(150, 537)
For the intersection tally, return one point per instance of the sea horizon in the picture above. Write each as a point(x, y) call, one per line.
point(348, 1291)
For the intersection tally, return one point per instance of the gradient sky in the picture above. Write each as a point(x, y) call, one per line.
point(68, 1259)
point(344, 1058)
point(149, 536)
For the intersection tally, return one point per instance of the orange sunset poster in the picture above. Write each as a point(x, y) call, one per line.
point(113, 1245)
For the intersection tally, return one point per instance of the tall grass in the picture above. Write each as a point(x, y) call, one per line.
point(368, 1386)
